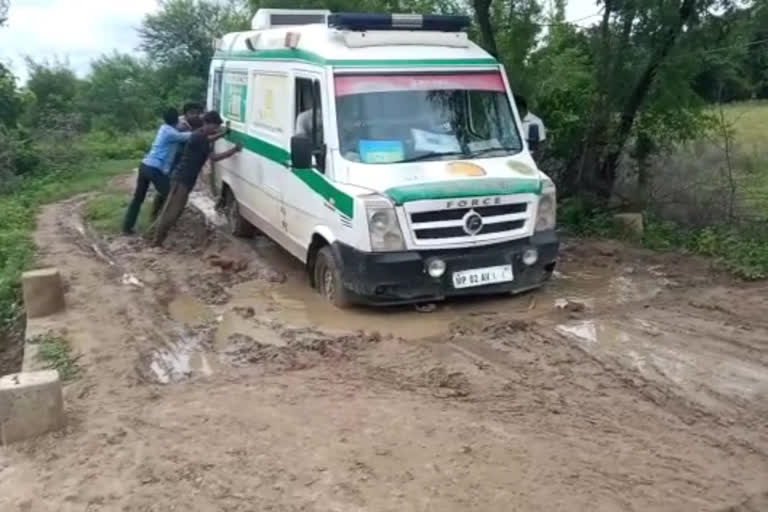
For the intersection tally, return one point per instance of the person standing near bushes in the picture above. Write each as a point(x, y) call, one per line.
point(155, 168)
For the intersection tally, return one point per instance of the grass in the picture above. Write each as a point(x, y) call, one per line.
point(742, 252)
point(105, 212)
point(750, 121)
point(56, 354)
point(18, 211)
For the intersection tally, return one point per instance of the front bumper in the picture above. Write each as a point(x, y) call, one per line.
point(402, 278)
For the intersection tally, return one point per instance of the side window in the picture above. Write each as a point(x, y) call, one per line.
point(308, 110)
point(216, 93)
point(235, 93)
point(270, 112)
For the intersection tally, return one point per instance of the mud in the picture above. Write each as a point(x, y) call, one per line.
point(215, 379)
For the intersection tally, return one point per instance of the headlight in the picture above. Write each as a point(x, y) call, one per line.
point(546, 215)
point(383, 225)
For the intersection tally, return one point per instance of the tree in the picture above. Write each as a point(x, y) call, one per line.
point(630, 48)
point(181, 34)
point(122, 93)
point(54, 87)
point(10, 100)
point(4, 6)
point(483, 18)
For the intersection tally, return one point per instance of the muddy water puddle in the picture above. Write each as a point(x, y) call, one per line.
point(259, 312)
point(183, 355)
point(296, 304)
point(188, 310)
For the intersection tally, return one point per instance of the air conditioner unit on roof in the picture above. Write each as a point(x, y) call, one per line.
point(266, 18)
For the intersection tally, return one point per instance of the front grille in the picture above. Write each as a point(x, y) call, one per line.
point(453, 232)
point(459, 213)
point(433, 226)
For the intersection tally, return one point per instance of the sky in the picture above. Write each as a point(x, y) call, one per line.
point(78, 30)
point(82, 30)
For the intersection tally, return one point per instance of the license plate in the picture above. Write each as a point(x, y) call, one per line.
point(482, 276)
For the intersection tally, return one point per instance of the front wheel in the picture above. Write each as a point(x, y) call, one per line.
point(237, 224)
point(328, 279)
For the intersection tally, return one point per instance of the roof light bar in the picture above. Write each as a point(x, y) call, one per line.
point(430, 22)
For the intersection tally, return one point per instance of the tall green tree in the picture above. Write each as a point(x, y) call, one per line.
point(631, 47)
point(180, 34)
point(55, 89)
point(10, 99)
point(122, 93)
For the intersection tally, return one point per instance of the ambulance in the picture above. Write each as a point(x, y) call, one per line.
point(384, 152)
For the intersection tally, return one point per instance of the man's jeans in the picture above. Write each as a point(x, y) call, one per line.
point(146, 176)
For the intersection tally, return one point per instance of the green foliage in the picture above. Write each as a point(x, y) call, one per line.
point(105, 213)
point(122, 94)
point(18, 209)
point(115, 146)
point(56, 354)
point(743, 251)
point(583, 219)
point(55, 90)
point(10, 100)
point(181, 33)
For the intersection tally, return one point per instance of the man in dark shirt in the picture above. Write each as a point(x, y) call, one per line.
point(196, 152)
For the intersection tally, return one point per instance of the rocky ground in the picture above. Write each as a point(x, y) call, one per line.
point(216, 380)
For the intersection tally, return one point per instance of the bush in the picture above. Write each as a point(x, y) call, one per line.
point(107, 146)
point(741, 250)
point(580, 218)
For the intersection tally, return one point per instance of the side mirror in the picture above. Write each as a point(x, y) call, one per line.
point(534, 137)
point(301, 152)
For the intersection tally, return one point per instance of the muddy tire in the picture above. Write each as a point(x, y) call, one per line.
point(236, 223)
point(328, 280)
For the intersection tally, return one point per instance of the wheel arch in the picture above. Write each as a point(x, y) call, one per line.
point(322, 236)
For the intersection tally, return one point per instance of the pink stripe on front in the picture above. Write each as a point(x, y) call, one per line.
point(346, 85)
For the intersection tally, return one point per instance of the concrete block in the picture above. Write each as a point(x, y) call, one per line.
point(631, 221)
point(43, 292)
point(31, 404)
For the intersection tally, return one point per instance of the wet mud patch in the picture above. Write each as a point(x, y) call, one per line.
point(184, 353)
point(756, 503)
point(447, 384)
point(279, 348)
point(210, 290)
point(547, 370)
point(192, 234)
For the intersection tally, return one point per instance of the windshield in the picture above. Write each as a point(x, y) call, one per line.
point(405, 118)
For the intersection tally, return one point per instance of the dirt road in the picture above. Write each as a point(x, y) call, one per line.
point(215, 380)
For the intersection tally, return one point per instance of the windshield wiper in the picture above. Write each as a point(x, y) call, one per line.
point(480, 152)
point(431, 154)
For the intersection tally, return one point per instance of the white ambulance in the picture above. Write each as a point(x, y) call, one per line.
point(384, 152)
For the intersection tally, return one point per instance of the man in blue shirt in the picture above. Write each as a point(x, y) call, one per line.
point(155, 168)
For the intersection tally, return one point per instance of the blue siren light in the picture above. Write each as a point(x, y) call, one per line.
point(431, 22)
